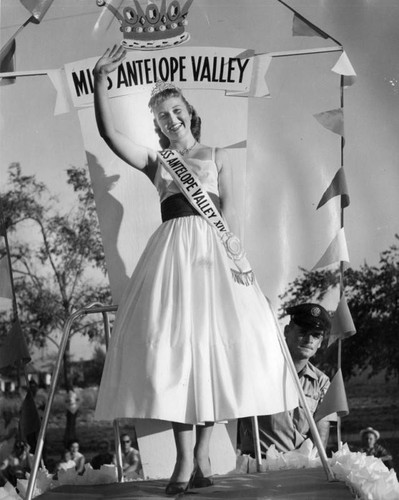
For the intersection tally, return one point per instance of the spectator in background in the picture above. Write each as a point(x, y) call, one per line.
point(18, 463)
point(131, 461)
point(66, 461)
point(104, 457)
point(370, 447)
point(77, 457)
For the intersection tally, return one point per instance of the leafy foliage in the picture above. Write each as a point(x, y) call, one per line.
point(372, 293)
point(59, 267)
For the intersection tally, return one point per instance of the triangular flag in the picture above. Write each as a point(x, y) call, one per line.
point(344, 67)
point(14, 347)
point(332, 120)
point(7, 61)
point(337, 187)
point(303, 27)
point(37, 8)
point(5, 279)
point(334, 400)
point(29, 420)
point(342, 326)
point(337, 251)
point(237, 145)
point(61, 104)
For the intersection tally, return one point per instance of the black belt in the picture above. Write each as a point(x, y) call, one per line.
point(177, 205)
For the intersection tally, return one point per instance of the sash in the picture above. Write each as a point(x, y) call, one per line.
point(192, 189)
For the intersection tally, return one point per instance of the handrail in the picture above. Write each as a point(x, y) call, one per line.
point(93, 308)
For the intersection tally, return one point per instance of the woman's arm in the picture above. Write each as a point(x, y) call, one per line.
point(135, 155)
point(226, 191)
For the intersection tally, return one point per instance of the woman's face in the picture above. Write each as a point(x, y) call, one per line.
point(173, 118)
point(74, 448)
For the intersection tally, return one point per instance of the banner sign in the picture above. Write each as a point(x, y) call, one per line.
point(190, 68)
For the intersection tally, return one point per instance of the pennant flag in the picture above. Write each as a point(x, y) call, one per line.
point(14, 347)
point(5, 279)
point(342, 326)
point(29, 420)
point(335, 399)
point(337, 251)
point(237, 145)
point(246, 54)
point(303, 27)
point(332, 120)
point(344, 67)
point(337, 187)
point(258, 87)
point(61, 103)
point(37, 8)
point(7, 61)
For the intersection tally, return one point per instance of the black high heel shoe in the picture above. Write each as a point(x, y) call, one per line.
point(197, 480)
point(177, 487)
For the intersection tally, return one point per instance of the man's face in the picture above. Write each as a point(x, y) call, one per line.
point(125, 442)
point(302, 342)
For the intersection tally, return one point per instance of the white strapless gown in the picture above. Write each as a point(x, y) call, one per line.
point(189, 344)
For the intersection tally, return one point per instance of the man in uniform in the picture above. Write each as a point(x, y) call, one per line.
point(288, 430)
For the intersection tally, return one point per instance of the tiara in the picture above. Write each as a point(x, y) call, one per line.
point(155, 28)
point(160, 86)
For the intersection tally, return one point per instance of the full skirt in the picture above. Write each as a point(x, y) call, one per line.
point(189, 344)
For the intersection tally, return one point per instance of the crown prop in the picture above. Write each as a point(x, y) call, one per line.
point(160, 86)
point(155, 28)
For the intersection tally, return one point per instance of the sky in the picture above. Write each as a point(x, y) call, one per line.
point(290, 158)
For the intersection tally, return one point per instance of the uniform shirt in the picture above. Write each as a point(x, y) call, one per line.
point(288, 430)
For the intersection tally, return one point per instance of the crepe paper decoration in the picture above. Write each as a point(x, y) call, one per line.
point(29, 420)
point(302, 27)
point(14, 347)
point(61, 103)
point(37, 8)
point(337, 251)
point(7, 61)
point(342, 326)
point(334, 400)
point(332, 120)
point(5, 279)
point(338, 187)
point(344, 67)
point(258, 87)
point(366, 476)
point(8, 492)
point(237, 145)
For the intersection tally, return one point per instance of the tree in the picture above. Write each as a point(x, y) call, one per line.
point(54, 268)
point(372, 293)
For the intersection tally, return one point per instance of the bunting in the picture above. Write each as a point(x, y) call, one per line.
point(61, 103)
point(344, 67)
point(332, 120)
point(342, 326)
point(5, 279)
point(337, 251)
point(14, 347)
point(7, 61)
point(303, 27)
point(338, 187)
point(335, 400)
point(37, 8)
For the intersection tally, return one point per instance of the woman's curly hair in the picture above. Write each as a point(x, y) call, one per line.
point(195, 119)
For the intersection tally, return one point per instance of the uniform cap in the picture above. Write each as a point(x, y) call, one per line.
point(312, 316)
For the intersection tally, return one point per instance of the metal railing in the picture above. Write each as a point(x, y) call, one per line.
point(93, 308)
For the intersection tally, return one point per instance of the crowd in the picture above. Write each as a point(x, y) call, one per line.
point(19, 461)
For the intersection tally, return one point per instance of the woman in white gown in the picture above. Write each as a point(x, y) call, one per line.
point(190, 345)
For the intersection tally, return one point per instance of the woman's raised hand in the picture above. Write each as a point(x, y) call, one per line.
point(110, 60)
